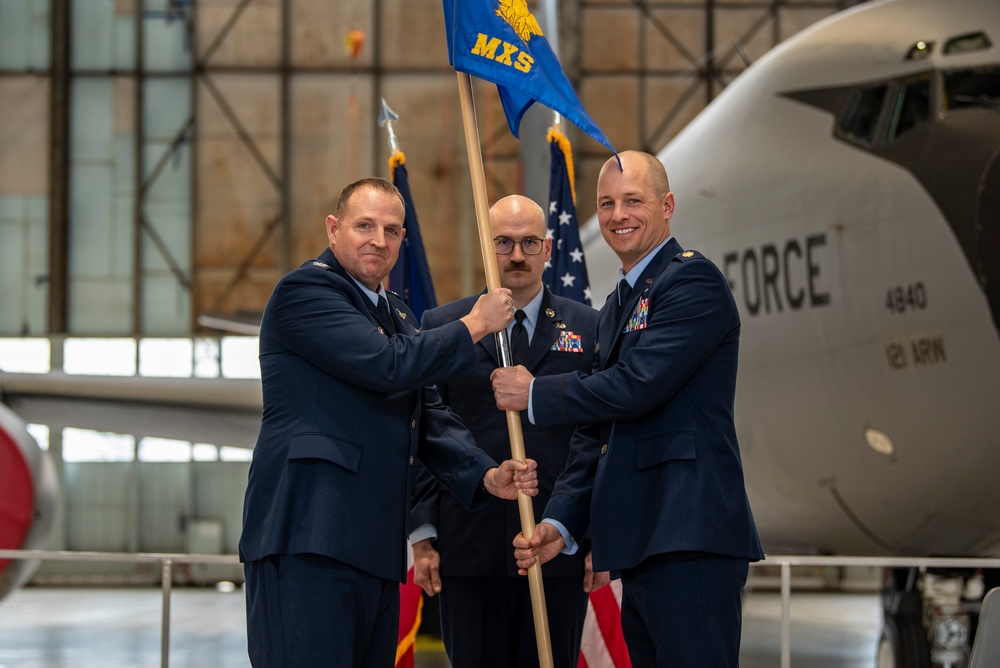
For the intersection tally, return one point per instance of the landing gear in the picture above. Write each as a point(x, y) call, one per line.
point(903, 642)
point(929, 618)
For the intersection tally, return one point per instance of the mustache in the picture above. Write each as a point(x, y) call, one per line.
point(516, 266)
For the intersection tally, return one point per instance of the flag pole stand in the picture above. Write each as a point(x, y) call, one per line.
point(524, 506)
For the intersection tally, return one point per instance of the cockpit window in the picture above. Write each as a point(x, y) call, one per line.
point(912, 106)
point(974, 41)
point(979, 87)
point(859, 120)
point(920, 50)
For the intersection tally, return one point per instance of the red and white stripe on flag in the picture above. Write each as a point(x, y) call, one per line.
point(410, 604)
point(603, 645)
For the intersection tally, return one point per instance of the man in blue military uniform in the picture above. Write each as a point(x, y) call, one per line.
point(663, 496)
point(486, 616)
point(348, 408)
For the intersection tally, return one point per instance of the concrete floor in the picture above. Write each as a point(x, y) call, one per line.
point(119, 628)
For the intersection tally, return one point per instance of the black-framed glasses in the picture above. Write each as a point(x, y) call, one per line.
point(529, 246)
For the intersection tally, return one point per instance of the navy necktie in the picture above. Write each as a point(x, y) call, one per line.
point(383, 307)
point(519, 339)
point(624, 289)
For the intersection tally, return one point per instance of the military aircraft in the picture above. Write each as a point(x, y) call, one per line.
point(847, 184)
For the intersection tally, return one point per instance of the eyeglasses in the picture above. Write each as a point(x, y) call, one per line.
point(529, 246)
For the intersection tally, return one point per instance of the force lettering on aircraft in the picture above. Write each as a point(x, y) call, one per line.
point(774, 278)
point(915, 352)
point(487, 46)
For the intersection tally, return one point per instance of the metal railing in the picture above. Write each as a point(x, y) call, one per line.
point(786, 562)
point(166, 562)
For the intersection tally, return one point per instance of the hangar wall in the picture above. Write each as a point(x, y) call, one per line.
point(165, 159)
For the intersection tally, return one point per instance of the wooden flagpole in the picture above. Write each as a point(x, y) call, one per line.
point(527, 512)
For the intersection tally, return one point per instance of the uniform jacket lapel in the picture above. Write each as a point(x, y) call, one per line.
point(612, 335)
point(360, 298)
point(546, 331)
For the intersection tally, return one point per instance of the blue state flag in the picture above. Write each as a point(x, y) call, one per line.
point(411, 276)
point(566, 271)
point(500, 41)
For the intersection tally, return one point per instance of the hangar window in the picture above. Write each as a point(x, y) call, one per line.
point(974, 41)
point(859, 119)
point(912, 106)
point(978, 87)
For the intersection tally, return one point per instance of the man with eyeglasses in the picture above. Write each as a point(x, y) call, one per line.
point(486, 617)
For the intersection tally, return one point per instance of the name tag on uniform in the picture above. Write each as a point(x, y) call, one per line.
point(568, 342)
point(639, 317)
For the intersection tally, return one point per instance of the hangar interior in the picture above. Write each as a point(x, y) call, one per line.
point(164, 162)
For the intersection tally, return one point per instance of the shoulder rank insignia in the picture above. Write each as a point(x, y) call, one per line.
point(324, 265)
point(687, 255)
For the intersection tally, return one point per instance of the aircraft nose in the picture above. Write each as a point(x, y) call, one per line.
point(988, 232)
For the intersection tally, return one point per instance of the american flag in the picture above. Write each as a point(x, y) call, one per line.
point(566, 272)
point(603, 645)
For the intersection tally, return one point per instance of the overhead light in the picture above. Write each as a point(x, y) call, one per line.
point(879, 441)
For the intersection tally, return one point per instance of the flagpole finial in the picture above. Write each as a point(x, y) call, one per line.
point(386, 117)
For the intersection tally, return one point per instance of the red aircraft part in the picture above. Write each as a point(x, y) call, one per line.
point(17, 497)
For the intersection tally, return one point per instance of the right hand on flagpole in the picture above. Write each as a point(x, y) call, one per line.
point(545, 544)
point(492, 313)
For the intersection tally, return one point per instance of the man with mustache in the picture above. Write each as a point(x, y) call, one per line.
point(486, 617)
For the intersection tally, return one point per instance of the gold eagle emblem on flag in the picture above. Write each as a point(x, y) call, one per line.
point(516, 14)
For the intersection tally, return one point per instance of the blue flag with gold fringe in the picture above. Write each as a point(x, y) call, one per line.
point(500, 41)
point(566, 271)
point(410, 277)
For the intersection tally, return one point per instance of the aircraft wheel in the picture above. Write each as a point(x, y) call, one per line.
point(903, 643)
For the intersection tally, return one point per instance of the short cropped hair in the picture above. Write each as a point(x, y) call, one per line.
point(375, 182)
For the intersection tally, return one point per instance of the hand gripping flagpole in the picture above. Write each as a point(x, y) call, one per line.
point(527, 512)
